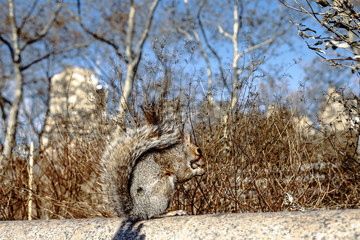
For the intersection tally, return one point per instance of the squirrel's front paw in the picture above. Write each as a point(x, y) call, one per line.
point(176, 213)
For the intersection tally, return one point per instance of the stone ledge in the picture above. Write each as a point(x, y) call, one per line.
point(339, 224)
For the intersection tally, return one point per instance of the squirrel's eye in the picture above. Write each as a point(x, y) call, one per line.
point(198, 151)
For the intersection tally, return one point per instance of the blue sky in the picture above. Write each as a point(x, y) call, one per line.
point(292, 58)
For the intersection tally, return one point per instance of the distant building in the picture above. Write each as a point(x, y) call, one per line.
point(338, 113)
point(76, 100)
point(304, 125)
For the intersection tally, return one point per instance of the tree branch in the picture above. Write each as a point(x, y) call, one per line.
point(130, 32)
point(97, 36)
point(201, 49)
point(8, 44)
point(221, 30)
point(46, 29)
point(184, 32)
point(27, 16)
point(146, 32)
point(54, 52)
point(209, 46)
point(256, 46)
point(293, 8)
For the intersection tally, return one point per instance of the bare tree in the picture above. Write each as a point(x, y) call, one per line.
point(339, 45)
point(15, 49)
point(207, 27)
point(340, 21)
point(133, 52)
point(19, 41)
point(234, 37)
point(201, 49)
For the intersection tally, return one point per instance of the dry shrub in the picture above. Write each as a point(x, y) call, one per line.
point(68, 186)
point(260, 163)
point(255, 162)
point(65, 183)
point(13, 189)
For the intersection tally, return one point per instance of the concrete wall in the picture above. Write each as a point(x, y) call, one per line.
point(340, 224)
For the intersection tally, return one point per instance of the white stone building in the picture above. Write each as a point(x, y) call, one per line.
point(76, 100)
point(338, 113)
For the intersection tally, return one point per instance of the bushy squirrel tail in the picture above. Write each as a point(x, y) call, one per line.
point(121, 156)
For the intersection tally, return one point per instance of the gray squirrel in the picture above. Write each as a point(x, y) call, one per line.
point(139, 169)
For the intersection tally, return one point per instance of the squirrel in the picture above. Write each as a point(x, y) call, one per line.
point(139, 169)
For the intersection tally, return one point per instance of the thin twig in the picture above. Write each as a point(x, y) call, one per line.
point(30, 169)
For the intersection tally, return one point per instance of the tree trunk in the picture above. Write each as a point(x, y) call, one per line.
point(133, 58)
point(14, 111)
point(127, 89)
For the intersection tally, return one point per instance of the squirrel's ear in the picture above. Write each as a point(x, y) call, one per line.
point(187, 138)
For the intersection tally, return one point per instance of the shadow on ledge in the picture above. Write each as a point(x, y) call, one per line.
point(129, 230)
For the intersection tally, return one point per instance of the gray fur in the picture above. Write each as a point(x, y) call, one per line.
point(140, 169)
